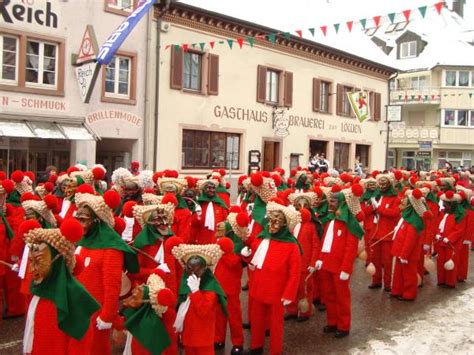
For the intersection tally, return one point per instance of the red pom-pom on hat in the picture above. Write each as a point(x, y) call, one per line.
point(51, 201)
point(290, 182)
point(85, 189)
point(8, 186)
point(17, 176)
point(256, 179)
point(242, 219)
point(226, 244)
point(413, 180)
point(277, 179)
point(134, 165)
point(222, 172)
point(449, 194)
point(335, 188)
point(191, 182)
point(266, 174)
point(357, 190)
point(305, 215)
point(360, 216)
point(28, 225)
point(72, 169)
point(417, 194)
point(241, 179)
point(375, 173)
point(293, 172)
point(27, 196)
point(169, 198)
point(317, 190)
point(99, 173)
point(172, 242)
point(171, 174)
point(72, 230)
point(462, 194)
point(112, 199)
point(48, 186)
point(316, 176)
point(227, 185)
point(345, 177)
point(53, 178)
point(235, 209)
point(324, 175)
point(439, 194)
point(119, 225)
point(166, 298)
point(31, 175)
point(3, 176)
point(157, 176)
point(127, 209)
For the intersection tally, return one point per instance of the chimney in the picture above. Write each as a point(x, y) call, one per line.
point(458, 7)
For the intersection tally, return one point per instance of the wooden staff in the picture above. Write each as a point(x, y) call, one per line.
point(143, 253)
point(6, 264)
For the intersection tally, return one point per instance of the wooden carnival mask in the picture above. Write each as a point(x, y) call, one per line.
point(40, 261)
point(136, 299)
point(276, 221)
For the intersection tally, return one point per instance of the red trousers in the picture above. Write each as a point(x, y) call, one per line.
point(95, 341)
point(463, 265)
point(205, 350)
point(293, 307)
point(420, 267)
point(405, 281)
point(381, 255)
point(446, 277)
point(234, 312)
point(14, 299)
point(260, 313)
point(317, 287)
point(338, 300)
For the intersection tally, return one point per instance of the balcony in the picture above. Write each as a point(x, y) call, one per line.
point(416, 96)
point(399, 133)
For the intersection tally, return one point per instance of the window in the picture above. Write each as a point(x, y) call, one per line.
point(324, 103)
point(192, 71)
point(341, 155)
point(120, 7)
point(321, 96)
point(455, 158)
point(8, 59)
point(41, 63)
point(391, 163)
point(272, 86)
point(119, 79)
point(471, 122)
point(408, 49)
point(450, 78)
point(463, 78)
point(346, 105)
point(462, 118)
point(408, 160)
point(203, 150)
point(449, 118)
point(458, 118)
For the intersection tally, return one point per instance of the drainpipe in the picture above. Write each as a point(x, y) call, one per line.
point(157, 81)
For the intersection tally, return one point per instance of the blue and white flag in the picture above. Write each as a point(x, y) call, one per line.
point(115, 40)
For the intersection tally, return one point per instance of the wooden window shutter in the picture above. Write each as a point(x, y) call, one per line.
point(339, 95)
point(288, 92)
point(176, 81)
point(213, 75)
point(316, 94)
point(372, 105)
point(378, 107)
point(261, 83)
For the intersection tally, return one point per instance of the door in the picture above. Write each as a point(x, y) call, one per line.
point(271, 151)
point(341, 156)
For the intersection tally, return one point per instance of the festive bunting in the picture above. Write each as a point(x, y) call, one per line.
point(363, 22)
point(377, 20)
point(311, 30)
point(240, 41)
point(406, 13)
point(287, 35)
point(212, 44)
point(422, 10)
point(391, 17)
point(185, 47)
point(349, 25)
point(433, 97)
point(251, 41)
point(272, 37)
point(336, 27)
point(439, 6)
point(299, 33)
point(202, 45)
point(324, 29)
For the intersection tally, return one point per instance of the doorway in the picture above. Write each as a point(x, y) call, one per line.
point(341, 156)
point(317, 147)
point(271, 155)
point(114, 154)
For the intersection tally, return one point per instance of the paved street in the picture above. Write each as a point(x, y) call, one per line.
point(440, 321)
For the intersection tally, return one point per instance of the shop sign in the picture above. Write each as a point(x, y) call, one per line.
point(27, 13)
point(114, 115)
point(86, 75)
point(394, 113)
point(281, 123)
point(31, 104)
point(425, 145)
point(423, 154)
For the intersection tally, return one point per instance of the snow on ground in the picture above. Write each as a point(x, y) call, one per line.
point(447, 328)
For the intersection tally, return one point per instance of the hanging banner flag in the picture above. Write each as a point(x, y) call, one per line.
point(359, 101)
point(115, 40)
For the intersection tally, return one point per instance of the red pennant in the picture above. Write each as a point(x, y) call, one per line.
point(212, 44)
point(433, 97)
point(167, 47)
point(240, 41)
point(377, 20)
point(419, 97)
point(349, 25)
point(406, 13)
point(185, 47)
point(300, 33)
point(438, 6)
point(324, 29)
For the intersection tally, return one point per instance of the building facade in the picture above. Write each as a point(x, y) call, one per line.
point(43, 120)
point(260, 106)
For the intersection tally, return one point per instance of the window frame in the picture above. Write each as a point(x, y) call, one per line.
point(408, 46)
point(443, 156)
point(469, 118)
point(210, 135)
point(268, 95)
point(118, 10)
point(17, 60)
point(327, 95)
point(345, 101)
point(132, 87)
point(116, 81)
point(41, 65)
point(21, 84)
point(201, 71)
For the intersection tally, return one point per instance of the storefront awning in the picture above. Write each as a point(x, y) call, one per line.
point(46, 130)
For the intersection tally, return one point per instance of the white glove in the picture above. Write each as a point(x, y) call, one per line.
point(285, 302)
point(446, 240)
point(403, 261)
point(101, 325)
point(467, 242)
point(311, 269)
point(15, 267)
point(193, 283)
point(344, 276)
point(246, 252)
point(438, 237)
point(164, 267)
point(426, 247)
point(198, 210)
point(319, 265)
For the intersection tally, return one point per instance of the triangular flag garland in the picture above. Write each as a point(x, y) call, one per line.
point(407, 14)
point(433, 97)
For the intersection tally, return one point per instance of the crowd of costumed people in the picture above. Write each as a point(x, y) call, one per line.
point(163, 259)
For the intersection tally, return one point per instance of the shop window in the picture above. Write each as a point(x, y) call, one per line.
point(203, 150)
point(274, 87)
point(17, 160)
point(391, 159)
point(41, 64)
point(9, 59)
point(341, 155)
point(408, 49)
point(119, 79)
point(192, 71)
point(455, 159)
point(463, 78)
point(408, 160)
point(450, 78)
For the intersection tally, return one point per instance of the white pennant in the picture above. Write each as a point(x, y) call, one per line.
point(328, 239)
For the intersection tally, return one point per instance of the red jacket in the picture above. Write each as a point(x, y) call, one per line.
point(309, 241)
point(431, 224)
point(199, 323)
point(182, 224)
point(229, 273)
point(453, 231)
point(343, 250)
point(389, 215)
point(406, 244)
point(201, 234)
point(369, 213)
point(279, 276)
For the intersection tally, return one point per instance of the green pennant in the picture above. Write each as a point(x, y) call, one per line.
point(470, 95)
point(221, 42)
point(413, 97)
point(391, 17)
point(202, 45)
point(230, 42)
point(399, 97)
point(363, 22)
point(426, 97)
point(445, 95)
point(251, 41)
point(336, 27)
point(311, 30)
point(422, 10)
point(193, 45)
point(286, 35)
point(272, 37)
point(177, 47)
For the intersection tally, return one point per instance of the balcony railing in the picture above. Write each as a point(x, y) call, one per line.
point(399, 133)
point(425, 95)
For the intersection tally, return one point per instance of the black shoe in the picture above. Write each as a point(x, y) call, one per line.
point(237, 350)
point(405, 299)
point(316, 302)
point(302, 319)
point(218, 346)
point(462, 280)
point(321, 307)
point(441, 285)
point(246, 325)
point(373, 287)
point(257, 351)
point(387, 289)
point(329, 329)
point(289, 316)
point(341, 333)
